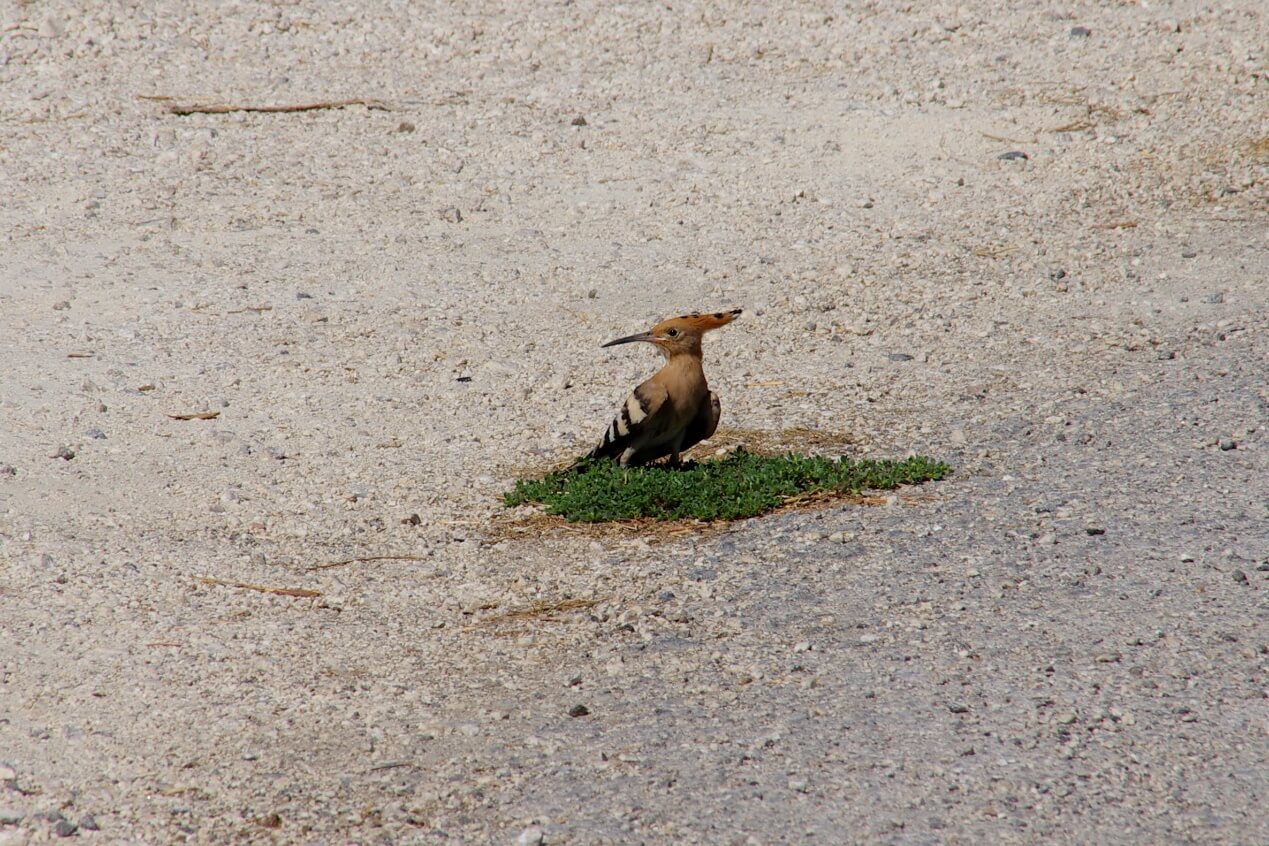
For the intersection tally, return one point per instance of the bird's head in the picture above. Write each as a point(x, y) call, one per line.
point(681, 335)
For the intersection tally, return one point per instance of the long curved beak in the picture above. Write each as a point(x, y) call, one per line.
point(642, 336)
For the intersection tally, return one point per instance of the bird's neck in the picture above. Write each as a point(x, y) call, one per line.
point(686, 369)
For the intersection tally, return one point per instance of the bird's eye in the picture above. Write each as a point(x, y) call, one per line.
point(672, 333)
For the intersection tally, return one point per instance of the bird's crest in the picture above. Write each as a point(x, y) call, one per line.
point(698, 321)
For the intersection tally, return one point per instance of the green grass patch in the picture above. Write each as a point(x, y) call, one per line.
point(741, 485)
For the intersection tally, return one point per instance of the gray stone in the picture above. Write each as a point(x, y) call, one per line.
point(531, 836)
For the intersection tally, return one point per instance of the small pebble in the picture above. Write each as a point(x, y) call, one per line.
point(1189, 254)
point(579, 121)
point(96, 434)
point(10, 816)
point(405, 126)
point(1165, 355)
point(65, 453)
point(412, 520)
point(898, 356)
point(1094, 530)
point(1080, 32)
point(65, 828)
point(1214, 299)
point(88, 823)
point(1240, 577)
point(8, 470)
point(451, 214)
point(1066, 718)
point(531, 836)
point(958, 708)
point(1013, 155)
point(578, 711)
point(1226, 444)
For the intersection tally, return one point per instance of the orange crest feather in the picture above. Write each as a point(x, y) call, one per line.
point(698, 322)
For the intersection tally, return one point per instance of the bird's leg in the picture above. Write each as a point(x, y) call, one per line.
point(626, 455)
point(675, 459)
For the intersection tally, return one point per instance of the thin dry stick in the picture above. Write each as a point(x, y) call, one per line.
point(197, 415)
point(345, 562)
point(538, 610)
point(280, 591)
point(226, 108)
point(1076, 126)
point(1005, 140)
point(390, 765)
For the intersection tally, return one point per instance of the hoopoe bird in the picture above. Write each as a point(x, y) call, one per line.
point(675, 409)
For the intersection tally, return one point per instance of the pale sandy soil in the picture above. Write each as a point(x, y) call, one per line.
point(1064, 643)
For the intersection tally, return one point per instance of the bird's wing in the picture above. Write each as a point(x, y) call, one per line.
point(704, 424)
point(701, 427)
point(639, 420)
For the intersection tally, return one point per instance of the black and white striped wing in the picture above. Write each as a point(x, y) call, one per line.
point(636, 422)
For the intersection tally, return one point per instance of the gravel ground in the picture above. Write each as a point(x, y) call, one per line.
point(1027, 238)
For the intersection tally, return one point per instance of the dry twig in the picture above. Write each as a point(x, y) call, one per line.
point(226, 108)
point(279, 591)
point(360, 560)
point(197, 415)
point(538, 610)
point(1005, 140)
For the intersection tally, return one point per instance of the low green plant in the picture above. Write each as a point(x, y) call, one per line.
point(741, 485)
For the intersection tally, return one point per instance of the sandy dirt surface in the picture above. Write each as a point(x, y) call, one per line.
point(1031, 239)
